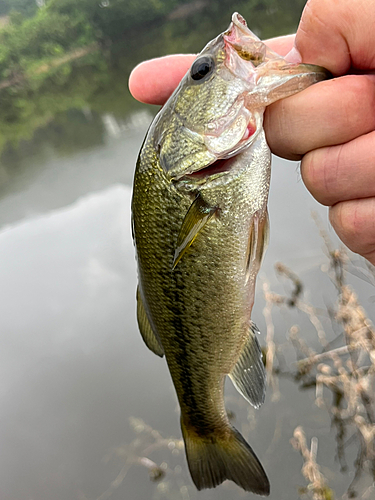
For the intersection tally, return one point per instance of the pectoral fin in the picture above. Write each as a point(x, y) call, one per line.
point(249, 375)
point(147, 333)
point(258, 242)
point(196, 218)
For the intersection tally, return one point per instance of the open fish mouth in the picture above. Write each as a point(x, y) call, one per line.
point(262, 77)
point(222, 170)
point(218, 167)
point(223, 165)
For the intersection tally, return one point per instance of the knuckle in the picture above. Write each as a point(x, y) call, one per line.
point(312, 10)
point(344, 219)
point(355, 224)
point(311, 173)
point(360, 95)
point(319, 170)
point(279, 130)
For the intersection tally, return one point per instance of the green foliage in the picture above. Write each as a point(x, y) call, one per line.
point(112, 19)
point(16, 18)
point(41, 74)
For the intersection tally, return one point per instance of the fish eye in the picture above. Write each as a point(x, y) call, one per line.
point(202, 67)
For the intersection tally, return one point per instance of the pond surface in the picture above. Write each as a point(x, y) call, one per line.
point(76, 375)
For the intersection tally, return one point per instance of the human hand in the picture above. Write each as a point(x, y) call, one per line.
point(330, 127)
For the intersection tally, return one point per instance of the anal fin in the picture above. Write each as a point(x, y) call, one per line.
point(146, 330)
point(249, 375)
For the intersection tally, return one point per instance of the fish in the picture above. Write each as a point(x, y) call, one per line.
point(200, 227)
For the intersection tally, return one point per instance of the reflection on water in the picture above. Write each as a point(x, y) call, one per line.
point(39, 176)
point(73, 363)
point(136, 121)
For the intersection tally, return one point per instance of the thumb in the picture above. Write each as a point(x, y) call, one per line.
point(338, 35)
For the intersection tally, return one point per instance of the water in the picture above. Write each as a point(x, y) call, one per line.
point(74, 368)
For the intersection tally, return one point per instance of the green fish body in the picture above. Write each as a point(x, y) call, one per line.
point(201, 228)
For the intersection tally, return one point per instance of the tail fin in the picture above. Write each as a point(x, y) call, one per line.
point(212, 460)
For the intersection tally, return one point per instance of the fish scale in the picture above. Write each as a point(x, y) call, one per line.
point(200, 240)
point(190, 310)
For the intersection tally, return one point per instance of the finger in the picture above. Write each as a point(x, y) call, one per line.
point(354, 222)
point(281, 44)
point(342, 172)
point(326, 114)
point(154, 81)
point(337, 35)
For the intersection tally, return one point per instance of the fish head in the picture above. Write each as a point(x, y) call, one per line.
point(217, 110)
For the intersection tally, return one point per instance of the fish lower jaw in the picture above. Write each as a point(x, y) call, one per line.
point(221, 166)
point(221, 170)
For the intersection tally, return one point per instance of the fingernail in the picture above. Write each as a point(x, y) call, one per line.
point(293, 56)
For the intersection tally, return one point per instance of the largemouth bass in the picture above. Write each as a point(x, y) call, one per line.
point(201, 228)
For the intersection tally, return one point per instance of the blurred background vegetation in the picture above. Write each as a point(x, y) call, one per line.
point(58, 55)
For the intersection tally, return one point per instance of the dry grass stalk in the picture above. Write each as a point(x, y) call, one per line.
point(148, 441)
point(270, 299)
point(317, 488)
point(295, 300)
point(347, 371)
